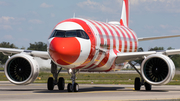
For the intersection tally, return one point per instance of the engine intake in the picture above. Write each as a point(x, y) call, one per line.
point(157, 69)
point(21, 69)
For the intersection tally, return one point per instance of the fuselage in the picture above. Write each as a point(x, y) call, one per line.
point(89, 45)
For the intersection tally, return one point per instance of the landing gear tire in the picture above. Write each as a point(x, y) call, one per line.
point(69, 87)
point(137, 83)
point(147, 86)
point(61, 83)
point(76, 87)
point(50, 83)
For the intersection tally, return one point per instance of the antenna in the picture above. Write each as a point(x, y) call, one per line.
point(74, 16)
point(106, 20)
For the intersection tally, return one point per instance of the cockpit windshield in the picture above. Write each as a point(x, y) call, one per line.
point(69, 33)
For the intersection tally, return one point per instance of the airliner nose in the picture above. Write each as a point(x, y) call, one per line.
point(64, 51)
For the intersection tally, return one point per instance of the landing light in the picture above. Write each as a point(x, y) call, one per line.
point(70, 71)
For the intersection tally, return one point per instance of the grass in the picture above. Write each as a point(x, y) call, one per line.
point(95, 78)
point(1, 69)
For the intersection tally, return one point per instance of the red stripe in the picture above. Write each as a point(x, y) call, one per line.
point(133, 38)
point(129, 37)
point(106, 58)
point(112, 67)
point(112, 34)
point(102, 43)
point(100, 33)
point(104, 61)
point(127, 11)
point(119, 38)
point(98, 59)
point(125, 41)
point(91, 35)
point(105, 31)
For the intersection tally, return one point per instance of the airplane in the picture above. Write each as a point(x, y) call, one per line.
point(78, 44)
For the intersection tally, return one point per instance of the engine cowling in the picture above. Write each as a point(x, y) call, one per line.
point(157, 69)
point(21, 69)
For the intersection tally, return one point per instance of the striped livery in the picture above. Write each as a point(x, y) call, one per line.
point(99, 51)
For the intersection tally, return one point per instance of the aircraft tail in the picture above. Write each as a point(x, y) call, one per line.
point(125, 14)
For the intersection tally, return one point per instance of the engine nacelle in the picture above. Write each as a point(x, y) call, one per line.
point(157, 69)
point(21, 69)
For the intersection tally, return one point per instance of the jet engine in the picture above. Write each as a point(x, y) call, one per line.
point(21, 69)
point(157, 69)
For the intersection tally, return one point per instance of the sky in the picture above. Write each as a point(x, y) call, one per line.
point(26, 21)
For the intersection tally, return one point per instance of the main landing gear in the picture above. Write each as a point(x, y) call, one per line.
point(139, 82)
point(72, 87)
point(51, 82)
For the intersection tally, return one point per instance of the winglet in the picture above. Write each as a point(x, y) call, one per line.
point(125, 14)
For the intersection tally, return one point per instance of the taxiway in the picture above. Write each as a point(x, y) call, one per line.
point(87, 92)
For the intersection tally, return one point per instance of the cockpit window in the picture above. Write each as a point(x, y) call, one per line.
point(71, 33)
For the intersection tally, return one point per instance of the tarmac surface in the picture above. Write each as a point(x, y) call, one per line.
point(87, 92)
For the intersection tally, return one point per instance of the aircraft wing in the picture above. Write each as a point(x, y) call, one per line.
point(159, 37)
point(9, 51)
point(131, 56)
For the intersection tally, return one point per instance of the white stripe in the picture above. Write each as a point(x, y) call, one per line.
point(109, 34)
point(103, 33)
point(135, 37)
point(121, 37)
point(105, 39)
point(127, 39)
point(85, 48)
point(116, 37)
point(96, 32)
point(100, 59)
point(132, 39)
point(68, 26)
point(123, 14)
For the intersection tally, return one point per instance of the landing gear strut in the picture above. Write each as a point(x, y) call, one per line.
point(139, 82)
point(73, 87)
point(51, 82)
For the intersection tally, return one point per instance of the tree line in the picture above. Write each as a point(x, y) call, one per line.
point(175, 58)
point(40, 46)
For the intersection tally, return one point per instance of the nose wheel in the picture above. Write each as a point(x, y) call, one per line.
point(73, 87)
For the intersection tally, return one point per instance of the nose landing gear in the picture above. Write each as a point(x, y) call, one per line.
point(73, 87)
